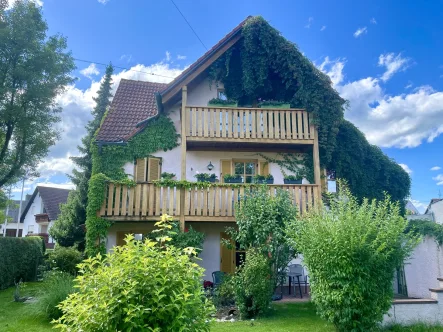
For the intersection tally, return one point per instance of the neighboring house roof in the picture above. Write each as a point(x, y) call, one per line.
point(51, 198)
point(411, 207)
point(135, 101)
point(433, 201)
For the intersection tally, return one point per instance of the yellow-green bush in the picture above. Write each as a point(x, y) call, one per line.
point(142, 286)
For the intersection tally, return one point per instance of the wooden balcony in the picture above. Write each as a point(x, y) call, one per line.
point(248, 125)
point(147, 201)
point(42, 218)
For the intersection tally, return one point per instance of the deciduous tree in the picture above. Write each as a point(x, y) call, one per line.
point(34, 69)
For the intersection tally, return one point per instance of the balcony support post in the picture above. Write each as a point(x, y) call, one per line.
point(316, 155)
point(183, 154)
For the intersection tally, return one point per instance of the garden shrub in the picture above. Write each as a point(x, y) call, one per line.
point(65, 259)
point(261, 221)
point(352, 251)
point(142, 286)
point(253, 285)
point(224, 294)
point(55, 288)
point(19, 259)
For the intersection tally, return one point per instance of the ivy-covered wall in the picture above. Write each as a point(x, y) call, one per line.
point(108, 161)
point(264, 65)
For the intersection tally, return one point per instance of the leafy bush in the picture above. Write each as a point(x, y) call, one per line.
point(261, 223)
point(19, 259)
point(352, 251)
point(426, 228)
point(224, 294)
point(55, 288)
point(218, 101)
point(142, 286)
point(293, 177)
point(167, 176)
point(65, 259)
point(253, 285)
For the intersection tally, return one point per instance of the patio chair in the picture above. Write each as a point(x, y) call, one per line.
point(217, 278)
point(296, 274)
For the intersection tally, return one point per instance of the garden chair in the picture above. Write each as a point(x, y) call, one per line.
point(296, 274)
point(217, 278)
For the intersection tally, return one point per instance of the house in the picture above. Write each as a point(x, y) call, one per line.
point(9, 227)
point(224, 140)
point(41, 209)
point(435, 209)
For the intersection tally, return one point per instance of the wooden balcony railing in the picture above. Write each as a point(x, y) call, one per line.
point(252, 124)
point(146, 201)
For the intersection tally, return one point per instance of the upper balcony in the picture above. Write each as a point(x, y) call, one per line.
point(42, 218)
point(208, 124)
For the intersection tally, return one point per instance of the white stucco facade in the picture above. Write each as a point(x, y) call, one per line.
point(436, 210)
point(29, 224)
point(423, 268)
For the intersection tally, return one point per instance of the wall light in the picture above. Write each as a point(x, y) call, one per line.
point(210, 166)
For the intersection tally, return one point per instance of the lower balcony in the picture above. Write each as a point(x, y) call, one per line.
point(146, 201)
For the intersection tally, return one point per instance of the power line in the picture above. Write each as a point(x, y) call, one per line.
point(195, 33)
point(138, 71)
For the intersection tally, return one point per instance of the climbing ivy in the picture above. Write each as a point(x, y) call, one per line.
point(425, 227)
point(264, 65)
point(301, 164)
point(108, 161)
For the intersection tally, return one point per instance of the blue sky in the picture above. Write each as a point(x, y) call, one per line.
point(383, 57)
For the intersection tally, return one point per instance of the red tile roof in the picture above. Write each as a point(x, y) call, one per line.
point(133, 102)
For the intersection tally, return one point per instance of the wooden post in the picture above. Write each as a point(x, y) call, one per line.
point(316, 162)
point(183, 155)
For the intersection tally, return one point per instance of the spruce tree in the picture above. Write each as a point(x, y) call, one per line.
point(68, 229)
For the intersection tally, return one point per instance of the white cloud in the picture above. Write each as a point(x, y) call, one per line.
point(168, 56)
point(406, 168)
point(393, 63)
point(435, 168)
point(323, 28)
point(404, 120)
point(104, 2)
point(181, 57)
point(310, 20)
point(37, 2)
point(373, 21)
point(439, 179)
point(409, 85)
point(333, 68)
point(126, 57)
point(90, 71)
point(360, 31)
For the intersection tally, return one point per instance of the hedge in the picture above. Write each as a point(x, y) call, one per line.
point(19, 259)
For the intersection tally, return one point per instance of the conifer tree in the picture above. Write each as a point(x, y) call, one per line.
point(68, 230)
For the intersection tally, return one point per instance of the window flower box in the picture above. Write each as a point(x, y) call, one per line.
point(217, 102)
point(292, 179)
point(233, 178)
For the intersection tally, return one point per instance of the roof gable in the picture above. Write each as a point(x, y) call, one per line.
point(51, 199)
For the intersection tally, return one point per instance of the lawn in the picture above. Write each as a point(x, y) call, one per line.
point(297, 317)
point(14, 316)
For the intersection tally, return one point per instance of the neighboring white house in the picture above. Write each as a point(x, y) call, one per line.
point(41, 210)
point(435, 208)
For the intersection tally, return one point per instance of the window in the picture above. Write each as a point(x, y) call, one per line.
point(221, 94)
point(246, 169)
point(30, 229)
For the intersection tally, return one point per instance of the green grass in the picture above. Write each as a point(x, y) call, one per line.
point(284, 317)
point(14, 316)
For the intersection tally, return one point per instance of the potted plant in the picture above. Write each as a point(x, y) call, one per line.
point(234, 178)
point(167, 176)
point(205, 177)
point(267, 179)
point(222, 102)
point(273, 104)
point(292, 179)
